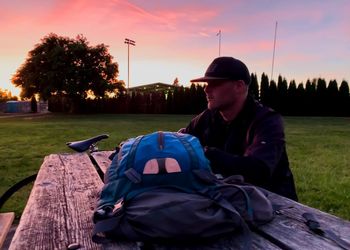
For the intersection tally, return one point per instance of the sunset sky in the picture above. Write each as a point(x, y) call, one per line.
point(179, 38)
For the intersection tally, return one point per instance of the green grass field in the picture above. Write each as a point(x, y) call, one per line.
point(318, 148)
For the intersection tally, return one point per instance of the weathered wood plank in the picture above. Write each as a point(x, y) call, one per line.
point(6, 220)
point(289, 226)
point(60, 207)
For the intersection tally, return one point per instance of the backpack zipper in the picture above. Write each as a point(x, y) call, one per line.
point(161, 140)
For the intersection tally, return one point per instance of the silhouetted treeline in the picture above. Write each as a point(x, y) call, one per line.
point(182, 101)
point(315, 98)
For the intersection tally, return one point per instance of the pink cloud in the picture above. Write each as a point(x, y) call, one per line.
point(186, 30)
point(125, 15)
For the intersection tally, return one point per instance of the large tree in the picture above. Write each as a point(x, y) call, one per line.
point(69, 67)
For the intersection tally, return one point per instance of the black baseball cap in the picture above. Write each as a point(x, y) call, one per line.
point(226, 68)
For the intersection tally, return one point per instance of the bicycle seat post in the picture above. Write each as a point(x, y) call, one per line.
point(93, 148)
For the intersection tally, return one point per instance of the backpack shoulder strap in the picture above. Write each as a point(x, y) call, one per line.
point(189, 148)
point(132, 152)
point(130, 172)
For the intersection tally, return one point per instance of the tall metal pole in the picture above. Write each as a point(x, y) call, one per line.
point(219, 34)
point(128, 65)
point(274, 48)
point(129, 42)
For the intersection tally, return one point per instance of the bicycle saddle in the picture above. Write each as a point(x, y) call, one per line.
point(81, 146)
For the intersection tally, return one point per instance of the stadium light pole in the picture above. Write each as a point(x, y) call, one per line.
point(129, 42)
point(273, 54)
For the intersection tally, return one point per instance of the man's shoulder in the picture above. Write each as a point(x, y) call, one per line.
point(261, 109)
point(199, 123)
point(203, 117)
point(262, 112)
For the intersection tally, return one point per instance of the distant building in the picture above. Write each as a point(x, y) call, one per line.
point(18, 107)
point(153, 87)
point(23, 107)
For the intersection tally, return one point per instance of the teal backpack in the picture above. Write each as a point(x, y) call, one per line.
point(160, 186)
point(153, 160)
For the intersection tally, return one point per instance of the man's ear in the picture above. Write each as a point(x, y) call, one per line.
point(241, 86)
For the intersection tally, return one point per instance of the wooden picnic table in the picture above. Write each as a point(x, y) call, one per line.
point(60, 208)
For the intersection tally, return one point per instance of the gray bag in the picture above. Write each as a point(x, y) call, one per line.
point(172, 214)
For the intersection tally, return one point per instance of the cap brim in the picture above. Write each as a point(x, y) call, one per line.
point(208, 79)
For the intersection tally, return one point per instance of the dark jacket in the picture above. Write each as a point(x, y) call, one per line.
point(252, 145)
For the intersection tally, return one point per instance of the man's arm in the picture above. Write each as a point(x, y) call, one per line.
point(260, 157)
point(197, 124)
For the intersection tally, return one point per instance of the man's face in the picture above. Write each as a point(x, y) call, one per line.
point(221, 94)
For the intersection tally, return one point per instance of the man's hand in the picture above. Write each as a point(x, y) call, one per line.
point(226, 164)
point(182, 130)
point(213, 154)
point(208, 151)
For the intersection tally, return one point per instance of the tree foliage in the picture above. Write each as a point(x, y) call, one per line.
point(6, 95)
point(176, 82)
point(68, 67)
point(264, 88)
point(344, 99)
point(282, 89)
point(254, 86)
point(297, 100)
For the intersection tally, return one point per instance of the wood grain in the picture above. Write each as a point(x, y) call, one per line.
point(60, 208)
point(289, 226)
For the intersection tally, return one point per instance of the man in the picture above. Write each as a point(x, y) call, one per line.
point(240, 136)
